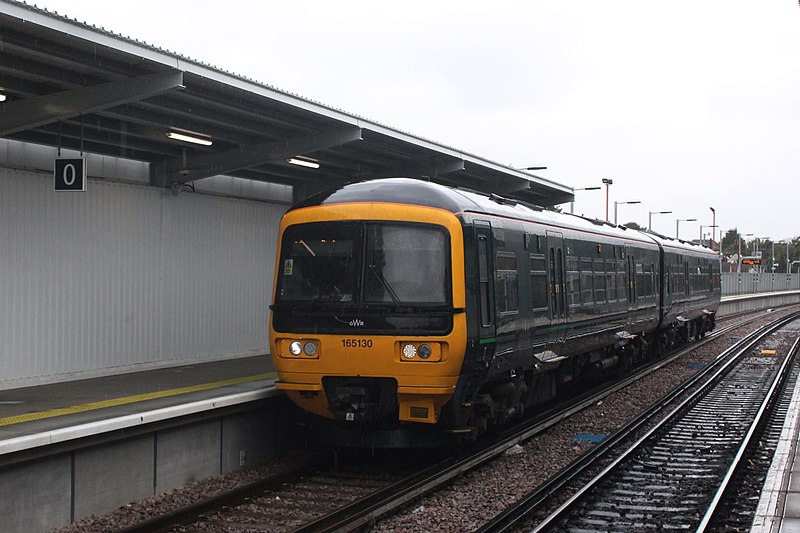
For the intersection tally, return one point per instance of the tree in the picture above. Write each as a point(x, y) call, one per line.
point(730, 243)
point(633, 225)
point(781, 259)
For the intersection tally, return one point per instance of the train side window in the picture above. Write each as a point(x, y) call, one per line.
point(539, 282)
point(621, 283)
point(587, 297)
point(630, 274)
point(714, 275)
point(686, 280)
point(680, 279)
point(507, 294)
point(483, 281)
point(640, 276)
point(573, 283)
point(599, 281)
point(611, 281)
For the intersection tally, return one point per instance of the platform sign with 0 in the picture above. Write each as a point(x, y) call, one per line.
point(70, 174)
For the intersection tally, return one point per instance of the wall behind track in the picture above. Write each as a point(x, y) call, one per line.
point(127, 277)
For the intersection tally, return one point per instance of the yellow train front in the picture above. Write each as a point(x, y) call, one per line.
point(368, 322)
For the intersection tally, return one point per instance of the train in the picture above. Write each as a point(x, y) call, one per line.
point(408, 313)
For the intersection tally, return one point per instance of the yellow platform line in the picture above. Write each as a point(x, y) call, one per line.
point(40, 415)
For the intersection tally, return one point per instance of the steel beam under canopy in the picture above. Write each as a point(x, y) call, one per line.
point(38, 111)
point(431, 169)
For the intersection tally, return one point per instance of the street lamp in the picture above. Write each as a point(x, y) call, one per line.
point(608, 182)
point(650, 218)
point(678, 225)
point(623, 203)
point(572, 203)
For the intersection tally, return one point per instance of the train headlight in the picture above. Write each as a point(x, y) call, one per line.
point(418, 352)
point(409, 351)
point(296, 348)
point(424, 351)
point(310, 348)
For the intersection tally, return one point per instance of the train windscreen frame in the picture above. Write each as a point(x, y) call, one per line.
point(372, 277)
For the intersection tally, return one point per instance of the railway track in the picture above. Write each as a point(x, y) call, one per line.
point(324, 497)
point(678, 473)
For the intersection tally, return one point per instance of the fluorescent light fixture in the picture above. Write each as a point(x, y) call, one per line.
point(189, 138)
point(2, 96)
point(303, 162)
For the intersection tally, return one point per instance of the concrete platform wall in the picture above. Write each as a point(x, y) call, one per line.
point(751, 302)
point(44, 489)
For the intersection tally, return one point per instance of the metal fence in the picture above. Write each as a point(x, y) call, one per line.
point(749, 282)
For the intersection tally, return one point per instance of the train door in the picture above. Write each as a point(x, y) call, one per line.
point(556, 276)
point(485, 293)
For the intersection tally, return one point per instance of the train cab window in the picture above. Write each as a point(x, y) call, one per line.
point(389, 276)
point(506, 287)
point(392, 251)
point(539, 283)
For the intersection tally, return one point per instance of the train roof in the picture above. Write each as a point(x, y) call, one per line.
point(679, 246)
point(424, 193)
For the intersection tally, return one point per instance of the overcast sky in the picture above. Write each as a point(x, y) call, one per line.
point(685, 105)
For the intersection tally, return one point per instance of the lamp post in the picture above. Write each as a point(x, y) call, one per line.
point(756, 243)
point(650, 217)
point(616, 204)
point(608, 182)
point(572, 203)
point(788, 263)
point(713, 227)
point(772, 265)
point(678, 225)
point(739, 265)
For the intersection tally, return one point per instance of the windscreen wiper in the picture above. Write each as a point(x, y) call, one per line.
point(386, 285)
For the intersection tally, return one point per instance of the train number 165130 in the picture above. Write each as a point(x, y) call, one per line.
point(357, 343)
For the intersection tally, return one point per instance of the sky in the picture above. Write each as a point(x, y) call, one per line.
point(686, 105)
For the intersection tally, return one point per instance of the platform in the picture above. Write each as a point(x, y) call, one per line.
point(779, 507)
point(45, 414)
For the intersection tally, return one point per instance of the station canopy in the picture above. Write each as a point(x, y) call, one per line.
point(68, 84)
